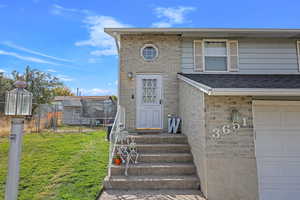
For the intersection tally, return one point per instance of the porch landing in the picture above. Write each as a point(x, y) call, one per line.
point(151, 195)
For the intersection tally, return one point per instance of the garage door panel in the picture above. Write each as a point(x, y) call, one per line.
point(267, 119)
point(290, 119)
point(275, 194)
point(278, 143)
point(277, 149)
point(273, 167)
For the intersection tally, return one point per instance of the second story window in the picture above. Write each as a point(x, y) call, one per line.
point(149, 52)
point(215, 56)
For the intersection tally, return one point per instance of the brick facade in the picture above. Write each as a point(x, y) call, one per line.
point(231, 162)
point(226, 166)
point(167, 64)
point(191, 111)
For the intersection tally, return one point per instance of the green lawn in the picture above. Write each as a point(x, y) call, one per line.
point(59, 166)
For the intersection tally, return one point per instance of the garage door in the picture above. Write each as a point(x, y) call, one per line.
point(277, 148)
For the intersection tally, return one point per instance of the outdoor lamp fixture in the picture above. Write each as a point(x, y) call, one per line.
point(130, 75)
point(18, 104)
point(235, 115)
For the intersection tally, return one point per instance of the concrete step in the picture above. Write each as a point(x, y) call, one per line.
point(151, 195)
point(159, 138)
point(151, 182)
point(165, 157)
point(163, 148)
point(142, 169)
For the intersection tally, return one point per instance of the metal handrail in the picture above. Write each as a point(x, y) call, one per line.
point(116, 131)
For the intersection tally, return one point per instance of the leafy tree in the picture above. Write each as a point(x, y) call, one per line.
point(39, 83)
point(43, 86)
point(62, 91)
point(114, 98)
point(6, 84)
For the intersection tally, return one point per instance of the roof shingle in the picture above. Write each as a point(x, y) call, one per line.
point(272, 81)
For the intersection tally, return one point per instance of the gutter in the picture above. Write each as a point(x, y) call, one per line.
point(240, 91)
point(115, 36)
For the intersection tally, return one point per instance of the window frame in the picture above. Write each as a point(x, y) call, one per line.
point(227, 54)
point(298, 53)
point(149, 45)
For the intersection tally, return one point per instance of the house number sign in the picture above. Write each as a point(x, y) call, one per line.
point(228, 129)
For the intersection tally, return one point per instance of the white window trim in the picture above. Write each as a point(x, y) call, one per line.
point(227, 54)
point(149, 45)
point(298, 53)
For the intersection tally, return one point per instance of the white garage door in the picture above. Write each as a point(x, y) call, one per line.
point(277, 148)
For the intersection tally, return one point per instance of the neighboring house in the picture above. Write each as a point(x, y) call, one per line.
point(237, 92)
point(87, 110)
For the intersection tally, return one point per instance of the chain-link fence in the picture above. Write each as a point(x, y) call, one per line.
point(80, 115)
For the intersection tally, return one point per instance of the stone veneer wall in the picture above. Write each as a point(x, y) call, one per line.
point(191, 111)
point(167, 64)
point(231, 163)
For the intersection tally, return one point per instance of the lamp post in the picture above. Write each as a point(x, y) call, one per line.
point(18, 104)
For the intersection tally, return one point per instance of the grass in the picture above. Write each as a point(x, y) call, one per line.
point(59, 166)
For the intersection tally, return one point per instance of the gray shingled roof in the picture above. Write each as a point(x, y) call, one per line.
point(246, 80)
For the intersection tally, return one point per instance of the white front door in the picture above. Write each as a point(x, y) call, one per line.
point(277, 148)
point(149, 108)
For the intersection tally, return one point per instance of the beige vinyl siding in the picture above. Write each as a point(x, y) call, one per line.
point(255, 56)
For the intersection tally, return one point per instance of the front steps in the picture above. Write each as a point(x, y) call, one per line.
point(164, 162)
point(153, 182)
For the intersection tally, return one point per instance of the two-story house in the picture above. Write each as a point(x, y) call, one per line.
point(237, 92)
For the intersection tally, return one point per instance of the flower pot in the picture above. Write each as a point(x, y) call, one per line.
point(118, 161)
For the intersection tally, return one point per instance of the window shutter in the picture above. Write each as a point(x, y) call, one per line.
point(198, 56)
point(298, 53)
point(233, 56)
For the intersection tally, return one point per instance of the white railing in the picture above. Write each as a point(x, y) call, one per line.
point(115, 134)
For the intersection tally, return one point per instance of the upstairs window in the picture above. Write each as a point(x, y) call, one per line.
point(215, 56)
point(149, 52)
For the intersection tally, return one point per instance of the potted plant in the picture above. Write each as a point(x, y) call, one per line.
point(117, 160)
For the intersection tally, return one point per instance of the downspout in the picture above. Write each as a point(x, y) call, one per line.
point(115, 36)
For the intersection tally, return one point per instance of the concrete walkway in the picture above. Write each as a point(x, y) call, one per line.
point(151, 195)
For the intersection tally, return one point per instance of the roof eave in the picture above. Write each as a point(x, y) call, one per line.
point(241, 91)
point(254, 92)
point(206, 31)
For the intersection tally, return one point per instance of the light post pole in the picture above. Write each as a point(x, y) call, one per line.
point(18, 104)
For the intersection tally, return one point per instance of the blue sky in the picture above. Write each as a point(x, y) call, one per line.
point(65, 37)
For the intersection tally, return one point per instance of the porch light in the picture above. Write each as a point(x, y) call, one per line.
point(18, 101)
point(130, 75)
point(235, 115)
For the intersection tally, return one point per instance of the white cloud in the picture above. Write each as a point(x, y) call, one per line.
point(17, 47)
point(2, 71)
point(94, 60)
point(96, 91)
point(95, 24)
point(51, 70)
point(64, 78)
point(26, 58)
point(104, 52)
point(171, 15)
point(60, 10)
point(162, 24)
point(97, 37)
